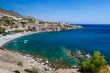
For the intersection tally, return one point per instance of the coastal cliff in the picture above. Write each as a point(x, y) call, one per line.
point(15, 22)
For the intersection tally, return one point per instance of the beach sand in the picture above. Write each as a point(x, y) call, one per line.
point(7, 38)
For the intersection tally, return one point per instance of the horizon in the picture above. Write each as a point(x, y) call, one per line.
point(69, 11)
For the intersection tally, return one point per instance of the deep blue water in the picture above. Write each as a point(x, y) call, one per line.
point(51, 45)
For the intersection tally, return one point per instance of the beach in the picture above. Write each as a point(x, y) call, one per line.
point(9, 59)
point(9, 37)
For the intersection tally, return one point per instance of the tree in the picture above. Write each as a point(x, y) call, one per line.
point(93, 64)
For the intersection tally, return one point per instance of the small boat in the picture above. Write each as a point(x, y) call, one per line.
point(25, 41)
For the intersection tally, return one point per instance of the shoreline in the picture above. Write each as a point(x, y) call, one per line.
point(9, 61)
point(28, 60)
point(10, 37)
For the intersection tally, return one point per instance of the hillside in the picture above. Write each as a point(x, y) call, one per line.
point(13, 21)
point(12, 13)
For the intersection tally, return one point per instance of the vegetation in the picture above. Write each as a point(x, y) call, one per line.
point(20, 63)
point(94, 64)
point(31, 20)
point(23, 23)
point(33, 70)
point(26, 21)
point(16, 71)
point(2, 48)
point(8, 20)
point(2, 30)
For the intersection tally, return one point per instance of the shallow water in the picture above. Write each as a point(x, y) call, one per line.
point(52, 45)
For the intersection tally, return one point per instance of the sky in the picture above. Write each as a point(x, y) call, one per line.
point(70, 11)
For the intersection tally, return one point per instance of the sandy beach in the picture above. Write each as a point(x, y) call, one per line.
point(7, 38)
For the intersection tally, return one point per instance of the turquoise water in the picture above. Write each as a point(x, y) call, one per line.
point(52, 45)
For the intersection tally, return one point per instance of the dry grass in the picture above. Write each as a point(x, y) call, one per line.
point(106, 70)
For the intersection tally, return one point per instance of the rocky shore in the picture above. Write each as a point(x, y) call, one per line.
point(14, 61)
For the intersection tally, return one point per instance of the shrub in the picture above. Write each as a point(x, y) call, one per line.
point(33, 70)
point(8, 20)
point(16, 71)
point(2, 30)
point(94, 64)
point(20, 63)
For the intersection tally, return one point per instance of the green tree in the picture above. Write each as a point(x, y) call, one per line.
point(93, 64)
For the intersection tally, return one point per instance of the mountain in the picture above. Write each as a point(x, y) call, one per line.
point(13, 13)
point(10, 12)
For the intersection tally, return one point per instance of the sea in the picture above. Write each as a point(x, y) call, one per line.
point(52, 45)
